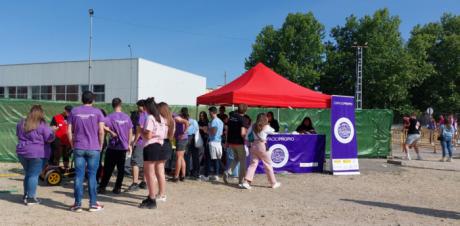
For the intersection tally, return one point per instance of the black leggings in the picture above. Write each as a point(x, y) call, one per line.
point(114, 158)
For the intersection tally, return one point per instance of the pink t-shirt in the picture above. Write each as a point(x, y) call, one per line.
point(157, 128)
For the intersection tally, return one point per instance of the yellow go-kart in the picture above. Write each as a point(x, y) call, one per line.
point(53, 175)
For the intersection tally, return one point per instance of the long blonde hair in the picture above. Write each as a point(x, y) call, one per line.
point(260, 123)
point(34, 118)
point(165, 112)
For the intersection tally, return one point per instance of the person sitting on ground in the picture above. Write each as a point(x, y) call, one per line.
point(306, 127)
point(273, 122)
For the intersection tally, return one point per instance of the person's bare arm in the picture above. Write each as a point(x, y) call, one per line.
point(70, 135)
point(101, 134)
point(130, 147)
point(137, 135)
point(243, 131)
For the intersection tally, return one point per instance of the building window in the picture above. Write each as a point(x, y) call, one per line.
point(72, 93)
point(60, 93)
point(12, 92)
point(99, 92)
point(46, 92)
point(21, 92)
point(2, 92)
point(36, 92)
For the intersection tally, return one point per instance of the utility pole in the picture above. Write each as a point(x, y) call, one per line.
point(91, 13)
point(359, 74)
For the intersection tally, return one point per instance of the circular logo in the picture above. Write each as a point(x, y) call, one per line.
point(279, 155)
point(344, 130)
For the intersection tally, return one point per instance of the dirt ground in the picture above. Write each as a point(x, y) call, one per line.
point(382, 195)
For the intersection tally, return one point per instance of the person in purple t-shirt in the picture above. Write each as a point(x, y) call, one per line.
point(181, 137)
point(86, 136)
point(34, 137)
point(120, 127)
point(137, 157)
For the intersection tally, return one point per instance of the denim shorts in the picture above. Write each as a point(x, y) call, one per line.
point(181, 145)
point(137, 158)
point(412, 139)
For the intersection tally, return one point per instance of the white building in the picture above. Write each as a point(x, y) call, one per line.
point(129, 79)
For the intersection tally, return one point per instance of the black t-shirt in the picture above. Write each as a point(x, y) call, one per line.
point(235, 123)
point(414, 126)
point(274, 124)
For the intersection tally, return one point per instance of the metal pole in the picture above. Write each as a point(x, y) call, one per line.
point(130, 73)
point(225, 78)
point(91, 13)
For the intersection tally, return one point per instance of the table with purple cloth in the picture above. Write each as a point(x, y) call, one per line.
point(296, 153)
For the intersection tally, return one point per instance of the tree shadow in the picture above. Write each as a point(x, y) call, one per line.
point(418, 210)
point(17, 199)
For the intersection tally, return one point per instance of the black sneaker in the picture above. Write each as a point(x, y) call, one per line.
point(24, 199)
point(144, 202)
point(182, 179)
point(32, 201)
point(101, 190)
point(116, 191)
point(143, 185)
point(174, 179)
point(151, 204)
point(133, 187)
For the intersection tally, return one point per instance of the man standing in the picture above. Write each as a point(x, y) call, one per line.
point(193, 153)
point(413, 136)
point(237, 128)
point(86, 137)
point(137, 157)
point(120, 127)
point(216, 127)
point(61, 145)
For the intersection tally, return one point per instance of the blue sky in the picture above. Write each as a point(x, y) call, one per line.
point(206, 37)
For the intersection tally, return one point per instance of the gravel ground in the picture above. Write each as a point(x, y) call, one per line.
point(382, 195)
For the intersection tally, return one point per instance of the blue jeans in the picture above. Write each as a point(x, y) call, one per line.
point(86, 159)
point(446, 147)
point(32, 169)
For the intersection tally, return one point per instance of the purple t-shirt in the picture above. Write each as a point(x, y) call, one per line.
point(180, 133)
point(142, 118)
point(121, 124)
point(85, 127)
point(35, 143)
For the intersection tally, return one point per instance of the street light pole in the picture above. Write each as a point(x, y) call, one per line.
point(130, 73)
point(359, 74)
point(91, 13)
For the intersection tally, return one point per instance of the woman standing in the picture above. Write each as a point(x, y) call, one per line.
point(153, 136)
point(203, 123)
point(259, 132)
point(447, 132)
point(169, 126)
point(181, 143)
point(34, 137)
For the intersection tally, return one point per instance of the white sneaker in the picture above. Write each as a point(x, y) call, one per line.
point(161, 198)
point(449, 159)
point(214, 178)
point(408, 157)
point(204, 178)
point(276, 185)
point(246, 186)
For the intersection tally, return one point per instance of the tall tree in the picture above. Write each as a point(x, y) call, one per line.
point(294, 51)
point(436, 49)
point(387, 66)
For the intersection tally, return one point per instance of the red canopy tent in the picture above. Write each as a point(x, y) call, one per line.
point(262, 87)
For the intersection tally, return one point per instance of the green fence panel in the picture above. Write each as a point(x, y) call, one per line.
point(373, 126)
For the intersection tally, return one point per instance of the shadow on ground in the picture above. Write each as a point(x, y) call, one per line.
point(418, 210)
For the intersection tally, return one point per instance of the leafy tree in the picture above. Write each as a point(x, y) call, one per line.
point(387, 66)
point(436, 49)
point(294, 51)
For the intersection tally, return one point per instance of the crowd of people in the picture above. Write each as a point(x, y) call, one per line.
point(204, 149)
point(445, 130)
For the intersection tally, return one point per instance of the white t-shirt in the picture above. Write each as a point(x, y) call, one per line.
point(262, 135)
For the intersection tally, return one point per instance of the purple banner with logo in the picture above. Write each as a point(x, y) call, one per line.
point(344, 149)
point(295, 153)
